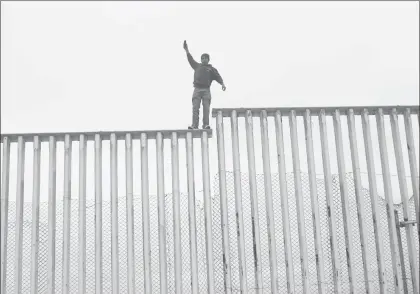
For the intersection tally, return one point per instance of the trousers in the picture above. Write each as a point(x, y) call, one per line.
point(201, 95)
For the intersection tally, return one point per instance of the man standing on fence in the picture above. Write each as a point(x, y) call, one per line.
point(204, 75)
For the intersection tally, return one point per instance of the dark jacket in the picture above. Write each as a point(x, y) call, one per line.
point(204, 75)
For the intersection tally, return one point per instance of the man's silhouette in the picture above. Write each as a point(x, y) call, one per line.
point(204, 75)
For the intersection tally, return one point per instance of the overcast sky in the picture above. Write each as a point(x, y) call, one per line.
point(88, 66)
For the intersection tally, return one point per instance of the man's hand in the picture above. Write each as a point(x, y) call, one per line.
point(223, 87)
point(185, 46)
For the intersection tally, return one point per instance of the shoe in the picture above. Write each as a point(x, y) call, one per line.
point(192, 127)
point(206, 127)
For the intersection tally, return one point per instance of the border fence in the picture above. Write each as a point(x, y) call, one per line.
point(301, 219)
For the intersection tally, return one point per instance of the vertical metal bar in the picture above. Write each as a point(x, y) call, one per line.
point(98, 214)
point(348, 234)
point(161, 211)
point(287, 237)
point(35, 213)
point(319, 257)
point(374, 202)
point(82, 214)
point(299, 203)
point(4, 211)
point(20, 183)
point(147, 260)
point(413, 164)
point(335, 258)
point(238, 202)
point(191, 213)
point(412, 252)
point(227, 274)
point(253, 194)
point(269, 202)
point(114, 214)
point(359, 201)
point(389, 200)
point(404, 276)
point(207, 211)
point(130, 213)
point(176, 214)
point(52, 181)
point(344, 199)
point(66, 215)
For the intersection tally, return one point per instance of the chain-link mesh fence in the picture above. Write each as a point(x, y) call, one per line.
point(201, 241)
point(359, 283)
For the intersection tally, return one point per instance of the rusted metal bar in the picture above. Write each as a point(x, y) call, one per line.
point(374, 203)
point(176, 213)
point(227, 275)
point(238, 203)
point(335, 258)
point(161, 212)
point(299, 204)
point(114, 215)
point(361, 216)
point(131, 285)
point(98, 215)
point(5, 178)
point(269, 203)
point(66, 215)
point(82, 214)
point(253, 194)
point(405, 200)
point(20, 183)
point(207, 212)
point(147, 259)
point(386, 175)
point(413, 165)
point(35, 214)
point(52, 185)
point(401, 253)
point(192, 214)
point(319, 256)
point(348, 234)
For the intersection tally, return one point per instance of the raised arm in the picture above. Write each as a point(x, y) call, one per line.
point(193, 63)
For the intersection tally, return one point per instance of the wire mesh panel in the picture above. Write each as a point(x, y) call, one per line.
point(219, 288)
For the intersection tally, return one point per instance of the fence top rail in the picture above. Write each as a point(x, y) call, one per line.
point(105, 135)
point(226, 112)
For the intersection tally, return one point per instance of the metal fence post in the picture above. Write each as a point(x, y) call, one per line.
point(66, 215)
point(253, 194)
point(269, 203)
point(114, 215)
point(335, 258)
point(389, 200)
point(374, 202)
point(5, 177)
point(35, 214)
point(52, 209)
point(130, 214)
point(299, 203)
point(98, 215)
point(401, 253)
point(319, 256)
point(404, 196)
point(238, 202)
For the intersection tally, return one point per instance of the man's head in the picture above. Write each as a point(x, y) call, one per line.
point(205, 58)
